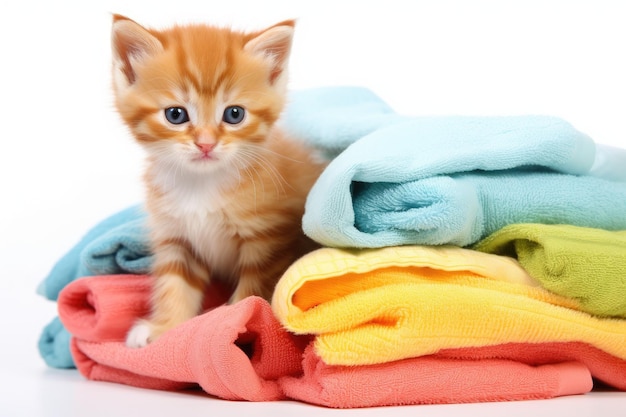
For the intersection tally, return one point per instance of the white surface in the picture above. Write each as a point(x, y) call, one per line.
point(66, 161)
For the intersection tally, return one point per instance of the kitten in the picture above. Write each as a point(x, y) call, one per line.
point(225, 188)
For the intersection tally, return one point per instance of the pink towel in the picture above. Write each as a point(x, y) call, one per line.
point(433, 380)
point(235, 352)
point(103, 308)
point(241, 352)
point(507, 372)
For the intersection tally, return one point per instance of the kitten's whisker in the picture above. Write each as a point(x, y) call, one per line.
point(277, 180)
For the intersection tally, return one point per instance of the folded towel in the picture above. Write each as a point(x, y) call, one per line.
point(495, 373)
point(401, 180)
point(609, 163)
point(54, 345)
point(103, 308)
point(376, 306)
point(235, 352)
point(586, 264)
point(434, 380)
point(118, 244)
point(602, 366)
point(106, 298)
point(331, 118)
point(462, 209)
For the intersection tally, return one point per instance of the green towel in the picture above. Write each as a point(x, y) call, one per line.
point(585, 264)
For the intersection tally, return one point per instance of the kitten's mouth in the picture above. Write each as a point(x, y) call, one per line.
point(204, 157)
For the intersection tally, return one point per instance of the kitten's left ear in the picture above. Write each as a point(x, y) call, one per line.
point(274, 45)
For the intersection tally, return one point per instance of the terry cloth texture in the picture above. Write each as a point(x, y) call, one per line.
point(400, 180)
point(118, 244)
point(378, 306)
point(585, 264)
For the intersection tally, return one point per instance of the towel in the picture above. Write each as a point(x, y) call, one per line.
point(118, 244)
point(434, 380)
point(462, 209)
point(495, 373)
point(54, 345)
point(585, 264)
point(418, 180)
point(235, 352)
point(54, 342)
point(103, 308)
point(609, 163)
point(332, 118)
point(376, 306)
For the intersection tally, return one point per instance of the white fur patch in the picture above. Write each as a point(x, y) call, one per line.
point(139, 335)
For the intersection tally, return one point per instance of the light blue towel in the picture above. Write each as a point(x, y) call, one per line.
point(118, 244)
point(445, 180)
point(462, 209)
point(331, 118)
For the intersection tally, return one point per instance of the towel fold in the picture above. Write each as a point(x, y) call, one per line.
point(104, 308)
point(376, 306)
point(493, 373)
point(434, 380)
point(54, 345)
point(235, 352)
point(585, 264)
point(418, 180)
point(332, 118)
point(118, 244)
point(462, 209)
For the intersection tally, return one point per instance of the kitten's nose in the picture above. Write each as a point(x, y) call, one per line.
point(205, 140)
point(205, 147)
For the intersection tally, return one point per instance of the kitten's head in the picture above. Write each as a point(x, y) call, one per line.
point(199, 97)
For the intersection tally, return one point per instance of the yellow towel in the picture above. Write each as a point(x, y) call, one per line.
point(379, 305)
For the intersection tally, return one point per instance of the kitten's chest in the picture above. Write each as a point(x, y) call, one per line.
point(207, 221)
point(214, 239)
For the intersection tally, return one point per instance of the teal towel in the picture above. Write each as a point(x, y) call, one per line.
point(444, 180)
point(54, 345)
point(118, 244)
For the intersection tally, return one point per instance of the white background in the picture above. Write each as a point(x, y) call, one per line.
point(66, 162)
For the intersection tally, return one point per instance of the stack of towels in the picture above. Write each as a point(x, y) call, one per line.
point(465, 259)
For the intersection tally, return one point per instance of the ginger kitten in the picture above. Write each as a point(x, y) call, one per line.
point(225, 188)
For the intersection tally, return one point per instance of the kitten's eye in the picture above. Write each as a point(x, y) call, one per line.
point(176, 115)
point(233, 115)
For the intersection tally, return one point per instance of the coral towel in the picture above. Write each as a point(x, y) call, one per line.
point(235, 352)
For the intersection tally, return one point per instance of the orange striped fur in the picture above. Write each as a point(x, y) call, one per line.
point(225, 187)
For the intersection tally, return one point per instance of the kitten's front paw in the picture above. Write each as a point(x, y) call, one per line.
point(139, 335)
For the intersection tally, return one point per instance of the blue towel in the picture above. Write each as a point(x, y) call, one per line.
point(118, 244)
point(54, 345)
point(445, 180)
point(462, 209)
point(331, 118)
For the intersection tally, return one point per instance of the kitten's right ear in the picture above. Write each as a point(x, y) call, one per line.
point(131, 44)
